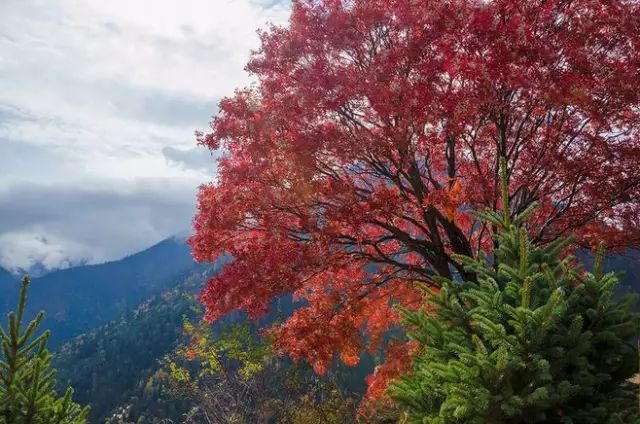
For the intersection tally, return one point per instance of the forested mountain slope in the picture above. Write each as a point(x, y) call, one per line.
point(627, 264)
point(119, 366)
point(8, 285)
point(113, 365)
point(79, 299)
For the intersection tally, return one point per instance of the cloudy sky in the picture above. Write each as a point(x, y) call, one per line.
point(99, 101)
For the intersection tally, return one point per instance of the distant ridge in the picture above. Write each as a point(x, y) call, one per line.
point(78, 299)
point(6, 276)
point(7, 283)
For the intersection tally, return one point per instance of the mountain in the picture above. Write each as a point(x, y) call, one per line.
point(6, 277)
point(626, 263)
point(119, 366)
point(127, 315)
point(8, 282)
point(114, 364)
point(79, 299)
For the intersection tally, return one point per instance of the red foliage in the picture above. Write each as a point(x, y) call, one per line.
point(376, 124)
point(398, 362)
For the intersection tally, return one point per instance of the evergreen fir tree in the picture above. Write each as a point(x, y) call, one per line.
point(27, 381)
point(533, 339)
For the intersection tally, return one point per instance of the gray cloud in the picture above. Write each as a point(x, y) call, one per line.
point(58, 225)
point(199, 158)
point(98, 106)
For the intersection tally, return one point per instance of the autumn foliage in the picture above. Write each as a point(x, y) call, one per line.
point(376, 125)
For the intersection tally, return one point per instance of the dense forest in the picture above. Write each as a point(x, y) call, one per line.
point(124, 356)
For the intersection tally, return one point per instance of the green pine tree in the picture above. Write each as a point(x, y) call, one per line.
point(27, 381)
point(533, 339)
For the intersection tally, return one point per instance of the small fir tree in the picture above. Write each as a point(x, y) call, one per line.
point(27, 380)
point(532, 339)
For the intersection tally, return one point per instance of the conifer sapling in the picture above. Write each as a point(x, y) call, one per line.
point(27, 394)
point(531, 338)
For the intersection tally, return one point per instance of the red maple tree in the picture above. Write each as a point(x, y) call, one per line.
point(375, 125)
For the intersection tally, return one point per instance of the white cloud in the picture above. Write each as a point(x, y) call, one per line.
point(196, 47)
point(22, 250)
point(59, 224)
point(106, 95)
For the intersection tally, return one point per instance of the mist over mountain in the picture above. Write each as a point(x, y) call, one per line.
point(78, 299)
point(40, 269)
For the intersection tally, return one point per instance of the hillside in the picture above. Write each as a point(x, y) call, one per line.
point(79, 299)
point(118, 365)
point(110, 366)
point(115, 363)
point(627, 264)
point(7, 285)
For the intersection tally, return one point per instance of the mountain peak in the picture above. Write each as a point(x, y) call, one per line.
point(79, 298)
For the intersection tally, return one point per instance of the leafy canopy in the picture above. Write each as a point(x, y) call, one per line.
point(375, 125)
point(232, 376)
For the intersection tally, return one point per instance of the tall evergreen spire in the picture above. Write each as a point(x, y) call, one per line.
point(27, 381)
